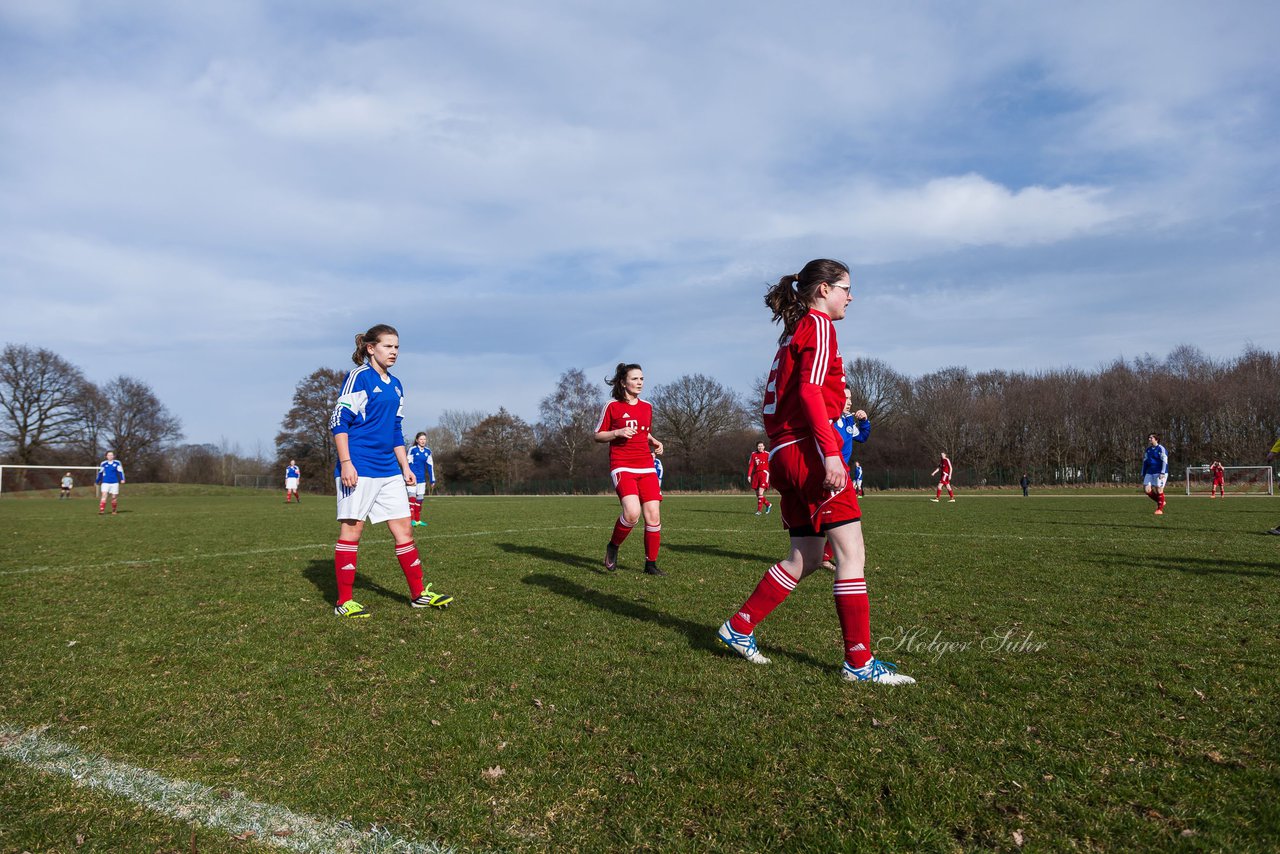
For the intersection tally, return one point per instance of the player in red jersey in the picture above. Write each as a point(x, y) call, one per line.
point(626, 424)
point(1219, 486)
point(758, 477)
point(944, 466)
point(804, 392)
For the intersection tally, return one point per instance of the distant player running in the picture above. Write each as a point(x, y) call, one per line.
point(944, 466)
point(758, 477)
point(626, 423)
point(424, 474)
point(373, 470)
point(1155, 471)
point(109, 479)
point(1219, 474)
point(292, 477)
point(805, 392)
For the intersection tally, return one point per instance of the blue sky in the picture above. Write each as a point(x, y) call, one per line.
point(215, 197)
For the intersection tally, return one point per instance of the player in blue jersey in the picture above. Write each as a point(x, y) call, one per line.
point(857, 478)
point(1155, 471)
point(373, 468)
point(292, 475)
point(110, 477)
point(658, 469)
point(424, 473)
point(850, 427)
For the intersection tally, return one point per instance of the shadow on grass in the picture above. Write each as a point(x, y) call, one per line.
point(700, 635)
point(714, 551)
point(1199, 565)
point(320, 573)
point(553, 556)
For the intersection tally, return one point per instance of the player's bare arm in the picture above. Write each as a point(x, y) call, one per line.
point(403, 459)
point(657, 445)
point(349, 474)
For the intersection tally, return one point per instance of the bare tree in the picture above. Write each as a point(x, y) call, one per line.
point(496, 451)
point(692, 412)
point(455, 423)
point(876, 387)
point(569, 417)
point(40, 397)
point(304, 431)
point(138, 424)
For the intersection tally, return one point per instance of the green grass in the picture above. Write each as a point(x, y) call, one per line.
point(1137, 711)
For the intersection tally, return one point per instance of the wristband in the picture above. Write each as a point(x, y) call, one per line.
point(343, 461)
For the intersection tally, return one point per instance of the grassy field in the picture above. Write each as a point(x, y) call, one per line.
point(1090, 677)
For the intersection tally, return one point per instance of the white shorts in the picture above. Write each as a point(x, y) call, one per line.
point(109, 488)
point(291, 484)
point(1156, 480)
point(374, 498)
point(418, 490)
point(857, 484)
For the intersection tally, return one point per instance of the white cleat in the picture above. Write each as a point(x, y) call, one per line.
point(875, 671)
point(743, 645)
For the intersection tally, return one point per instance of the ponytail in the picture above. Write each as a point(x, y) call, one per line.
point(789, 299)
point(364, 339)
point(619, 378)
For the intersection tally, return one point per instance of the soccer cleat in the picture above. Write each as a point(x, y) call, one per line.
point(743, 645)
point(951, 501)
point(767, 509)
point(350, 608)
point(611, 557)
point(1275, 530)
point(1159, 512)
point(934, 500)
point(431, 600)
point(875, 671)
point(757, 512)
point(651, 568)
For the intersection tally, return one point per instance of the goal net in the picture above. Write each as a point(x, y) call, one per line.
point(1236, 480)
point(259, 481)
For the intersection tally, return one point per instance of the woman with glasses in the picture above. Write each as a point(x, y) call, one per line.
point(803, 395)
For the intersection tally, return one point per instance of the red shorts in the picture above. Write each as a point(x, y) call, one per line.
point(760, 480)
point(643, 484)
point(944, 480)
point(1217, 481)
point(805, 502)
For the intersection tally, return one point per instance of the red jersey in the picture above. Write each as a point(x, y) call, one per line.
point(1217, 471)
point(805, 389)
point(944, 465)
point(759, 462)
point(628, 454)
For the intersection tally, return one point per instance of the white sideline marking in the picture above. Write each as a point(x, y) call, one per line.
point(222, 809)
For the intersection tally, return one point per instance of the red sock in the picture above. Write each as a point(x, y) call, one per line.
point(854, 610)
point(344, 567)
point(407, 554)
point(773, 588)
point(939, 493)
point(950, 494)
point(1159, 501)
point(759, 503)
point(102, 505)
point(620, 531)
point(114, 501)
point(286, 496)
point(828, 553)
point(413, 509)
point(1154, 496)
point(652, 541)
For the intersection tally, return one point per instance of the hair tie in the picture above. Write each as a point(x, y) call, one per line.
point(795, 283)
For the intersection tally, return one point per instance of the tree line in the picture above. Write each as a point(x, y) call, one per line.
point(1060, 426)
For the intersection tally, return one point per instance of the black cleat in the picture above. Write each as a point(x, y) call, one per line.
point(651, 568)
point(611, 557)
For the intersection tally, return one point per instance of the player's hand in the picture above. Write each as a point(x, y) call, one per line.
point(860, 415)
point(410, 479)
point(349, 476)
point(657, 447)
point(625, 432)
point(834, 475)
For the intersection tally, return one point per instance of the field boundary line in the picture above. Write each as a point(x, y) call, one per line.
point(217, 808)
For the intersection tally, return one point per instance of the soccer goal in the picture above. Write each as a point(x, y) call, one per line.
point(259, 481)
point(1237, 480)
point(81, 481)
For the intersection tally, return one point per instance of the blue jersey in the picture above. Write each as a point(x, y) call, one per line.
point(292, 471)
point(421, 464)
point(1156, 461)
point(857, 472)
point(110, 471)
point(370, 411)
point(850, 431)
point(657, 467)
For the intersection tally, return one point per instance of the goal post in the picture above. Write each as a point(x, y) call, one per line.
point(15, 466)
point(1237, 480)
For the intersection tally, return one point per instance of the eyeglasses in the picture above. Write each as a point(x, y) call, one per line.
point(844, 288)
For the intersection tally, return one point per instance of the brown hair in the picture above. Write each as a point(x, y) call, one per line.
point(364, 339)
point(619, 378)
point(789, 299)
point(421, 433)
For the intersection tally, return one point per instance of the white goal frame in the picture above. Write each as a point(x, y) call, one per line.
point(4, 466)
point(260, 481)
point(1268, 477)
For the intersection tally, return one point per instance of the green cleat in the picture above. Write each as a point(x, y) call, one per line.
point(431, 600)
point(350, 608)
